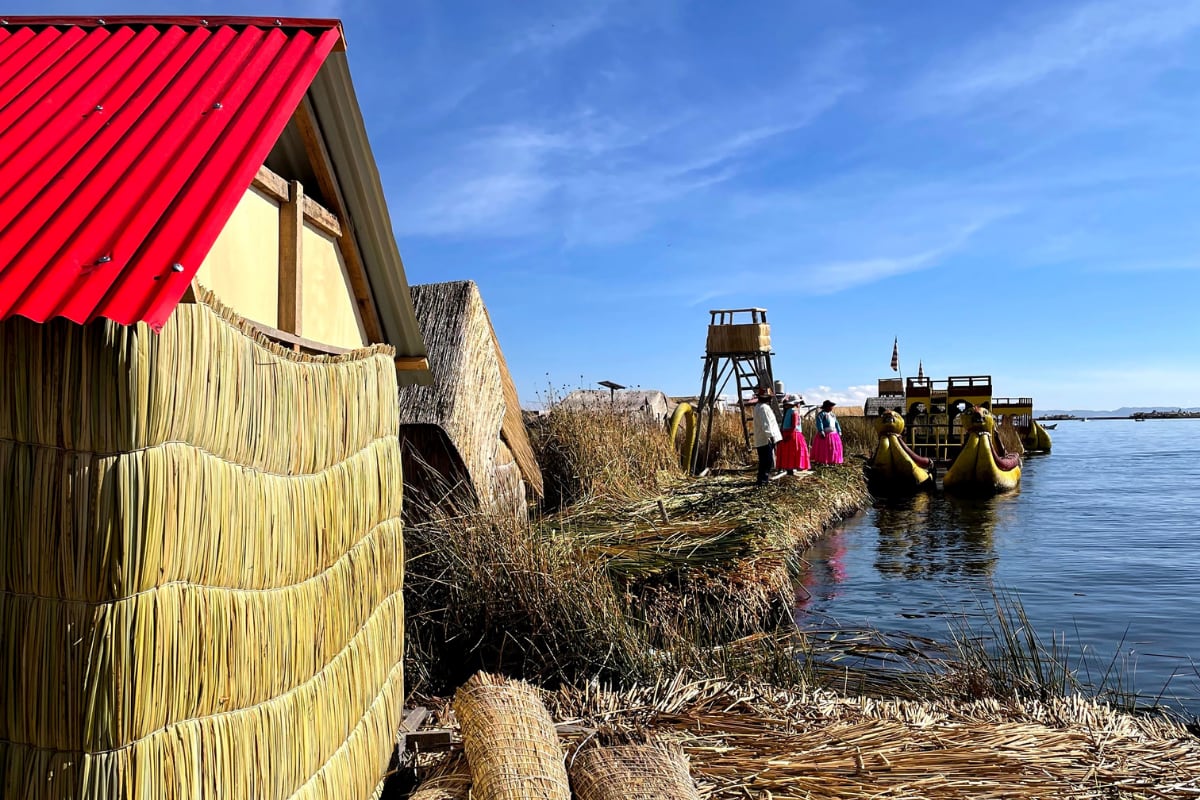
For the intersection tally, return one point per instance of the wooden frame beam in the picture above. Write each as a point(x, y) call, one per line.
point(291, 260)
point(318, 157)
point(410, 363)
point(320, 217)
point(298, 343)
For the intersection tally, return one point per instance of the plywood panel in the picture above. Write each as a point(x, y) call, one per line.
point(243, 266)
point(330, 313)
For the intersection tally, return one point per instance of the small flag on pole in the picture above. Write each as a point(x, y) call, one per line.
point(895, 355)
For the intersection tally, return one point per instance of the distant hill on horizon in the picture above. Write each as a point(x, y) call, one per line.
point(1123, 411)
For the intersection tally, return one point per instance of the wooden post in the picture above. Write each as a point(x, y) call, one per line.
point(291, 235)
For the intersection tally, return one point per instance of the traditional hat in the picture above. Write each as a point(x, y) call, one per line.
point(828, 404)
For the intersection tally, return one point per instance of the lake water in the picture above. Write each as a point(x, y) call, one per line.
point(1101, 545)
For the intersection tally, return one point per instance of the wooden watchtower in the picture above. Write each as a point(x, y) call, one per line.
point(739, 347)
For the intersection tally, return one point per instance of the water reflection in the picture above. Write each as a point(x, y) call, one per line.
point(822, 572)
point(1104, 563)
point(934, 536)
point(931, 537)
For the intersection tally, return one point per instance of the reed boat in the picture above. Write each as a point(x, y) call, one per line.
point(951, 424)
point(895, 468)
point(930, 408)
point(981, 466)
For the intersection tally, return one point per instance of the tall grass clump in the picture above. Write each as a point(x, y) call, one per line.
point(592, 453)
point(499, 594)
point(727, 447)
point(858, 435)
point(1004, 656)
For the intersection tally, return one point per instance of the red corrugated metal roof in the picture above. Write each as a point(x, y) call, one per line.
point(125, 146)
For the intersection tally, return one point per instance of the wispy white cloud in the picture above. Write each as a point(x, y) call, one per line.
point(1085, 37)
point(831, 278)
point(599, 174)
point(496, 185)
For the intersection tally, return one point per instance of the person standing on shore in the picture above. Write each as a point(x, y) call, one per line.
point(827, 442)
point(766, 434)
point(792, 452)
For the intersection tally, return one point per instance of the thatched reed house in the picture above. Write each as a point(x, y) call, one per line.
point(650, 404)
point(464, 435)
point(201, 554)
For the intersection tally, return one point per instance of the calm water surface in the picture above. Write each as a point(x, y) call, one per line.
point(1101, 544)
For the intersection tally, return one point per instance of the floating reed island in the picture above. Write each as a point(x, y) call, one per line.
point(650, 605)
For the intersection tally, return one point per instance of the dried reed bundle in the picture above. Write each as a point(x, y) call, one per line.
point(70, 519)
point(106, 389)
point(510, 741)
point(451, 782)
point(657, 771)
point(201, 563)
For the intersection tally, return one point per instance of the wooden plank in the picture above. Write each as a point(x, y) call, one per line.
point(272, 185)
point(427, 741)
point(321, 218)
point(267, 182)
point(297, 342)
point(318, 156)
point(291, 260)
point(414, 719)
point(406, 363)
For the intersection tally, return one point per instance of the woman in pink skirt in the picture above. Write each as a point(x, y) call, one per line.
point(791, 453)
point(827, 442)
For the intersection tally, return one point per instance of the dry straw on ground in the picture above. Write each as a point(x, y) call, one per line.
point(200, 563)
point(510, 741)
point(759, 741)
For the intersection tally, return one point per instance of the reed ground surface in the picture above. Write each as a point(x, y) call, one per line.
point(645, 602)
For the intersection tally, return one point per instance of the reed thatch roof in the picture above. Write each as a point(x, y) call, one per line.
point(468, 424)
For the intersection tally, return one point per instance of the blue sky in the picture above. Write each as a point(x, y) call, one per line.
point(1007, 188)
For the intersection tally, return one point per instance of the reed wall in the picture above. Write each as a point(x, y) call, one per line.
point(201, 563)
